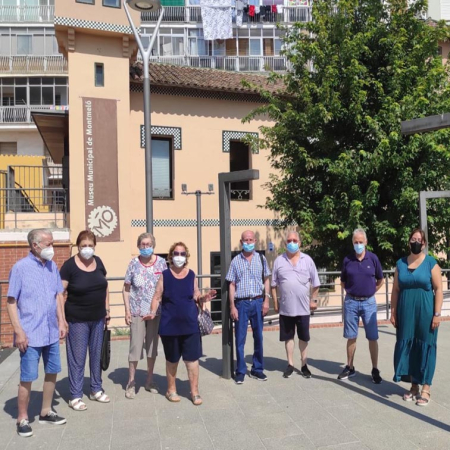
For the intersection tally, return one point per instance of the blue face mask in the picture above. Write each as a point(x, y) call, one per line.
point(248, 247)
point(292, 247)
point(146, 252)
point(359, 248)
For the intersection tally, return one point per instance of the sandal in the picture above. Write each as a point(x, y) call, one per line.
point(412, 394)
point(422, 401)
point(173, 397)
point(77, 405)
point(130, 390)
point(197, 400)
point(152, 387)
point(100, 396)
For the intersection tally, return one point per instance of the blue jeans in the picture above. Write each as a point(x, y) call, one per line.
point(29, 361)
point(249, 310)
point(367, 310)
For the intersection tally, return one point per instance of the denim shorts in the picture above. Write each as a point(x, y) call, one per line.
point(367, 310)
point(29, 361)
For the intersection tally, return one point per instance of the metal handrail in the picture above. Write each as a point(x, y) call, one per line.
point(24, 13)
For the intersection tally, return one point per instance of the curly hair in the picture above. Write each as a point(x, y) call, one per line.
point(171, 250)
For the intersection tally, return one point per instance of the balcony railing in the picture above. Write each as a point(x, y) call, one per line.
point(20, 114)
point(30, 14)
point(289, 14)
point(231, 63)
point(31, 64)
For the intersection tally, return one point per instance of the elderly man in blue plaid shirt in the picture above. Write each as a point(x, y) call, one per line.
point(249, 300)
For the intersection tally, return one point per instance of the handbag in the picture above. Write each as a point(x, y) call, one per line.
point(205, 322)
point(106, 348)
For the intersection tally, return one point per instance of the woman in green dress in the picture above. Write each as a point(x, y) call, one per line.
point(416, 304)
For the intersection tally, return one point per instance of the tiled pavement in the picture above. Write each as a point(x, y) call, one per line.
point(294, 413)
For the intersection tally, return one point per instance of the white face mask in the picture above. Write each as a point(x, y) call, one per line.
point(179, 261)
point(87, 252)
point(47, 253)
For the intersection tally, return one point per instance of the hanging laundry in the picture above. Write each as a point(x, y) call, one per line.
point(274, 8)
point(280, 9)
point(251, 11)
point(257, 9)
point(239, 17)
point(217, 19)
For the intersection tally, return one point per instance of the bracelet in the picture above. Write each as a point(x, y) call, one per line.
point(268, 295)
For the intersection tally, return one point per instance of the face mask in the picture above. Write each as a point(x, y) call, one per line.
point(87, 252)
point(292, 247)
point(416, 247)
point(179, 261)
point(248, 247)
point(359, 248)
point(146, 252)
point(47, 253)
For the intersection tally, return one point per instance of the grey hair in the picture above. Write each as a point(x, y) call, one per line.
point(146, 236)
point(292, 232)
point(359, 231)
point(35, 236)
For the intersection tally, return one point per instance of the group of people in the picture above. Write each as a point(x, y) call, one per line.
point(162, 299)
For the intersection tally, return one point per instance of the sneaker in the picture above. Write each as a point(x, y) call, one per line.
point(289, 371)
point(305, 371)
point(376, 376)
point(239, 378)
point(130, 391)
point(347, 373)
point(52, 418)
point(152, 387)
point(24, 429)
point(260, 376)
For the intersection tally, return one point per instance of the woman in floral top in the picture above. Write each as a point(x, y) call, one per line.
point(140, 281)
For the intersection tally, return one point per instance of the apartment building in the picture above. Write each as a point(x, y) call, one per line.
point(255, 44)
point(33, 78)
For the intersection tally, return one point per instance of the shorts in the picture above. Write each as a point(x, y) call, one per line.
point(288, 324)
point(188, 346)
point(29, 361)
point(143, 334)
point(367, 310)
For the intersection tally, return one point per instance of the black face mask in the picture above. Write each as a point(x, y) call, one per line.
point(416, 247)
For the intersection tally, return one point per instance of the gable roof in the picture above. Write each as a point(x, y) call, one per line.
point(203, 79)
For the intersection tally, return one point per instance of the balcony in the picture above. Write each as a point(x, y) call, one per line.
point(192, 14)
point(22, 114)
point(27, 14)
point(30, 64)
point(231, 63)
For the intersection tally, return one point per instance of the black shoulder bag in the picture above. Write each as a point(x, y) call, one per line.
point(106, 348)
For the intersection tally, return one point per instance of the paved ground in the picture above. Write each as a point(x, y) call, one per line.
point(279, 414)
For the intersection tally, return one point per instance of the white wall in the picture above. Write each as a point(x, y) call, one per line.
point(29, 141)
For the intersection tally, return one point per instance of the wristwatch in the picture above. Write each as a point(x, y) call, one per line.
point(436, 314)
point(314, 300)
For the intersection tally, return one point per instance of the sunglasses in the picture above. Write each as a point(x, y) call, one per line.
point(179, 253)
point(292, 240)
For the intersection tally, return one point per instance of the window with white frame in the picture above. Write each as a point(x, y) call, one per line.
point(171, 42)
point(162, 157)
point(21, 41)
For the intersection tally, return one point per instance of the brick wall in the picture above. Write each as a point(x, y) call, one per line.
point(10, 253)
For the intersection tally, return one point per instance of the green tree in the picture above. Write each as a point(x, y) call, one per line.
point(356, 71)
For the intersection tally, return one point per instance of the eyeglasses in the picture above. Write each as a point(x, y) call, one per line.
point(413, 241)
point(179, 253)
point(146, 246)
point(292, 240)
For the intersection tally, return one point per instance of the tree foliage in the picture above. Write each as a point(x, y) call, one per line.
point(357, 70)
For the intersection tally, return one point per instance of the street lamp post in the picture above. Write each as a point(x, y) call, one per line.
point(142, 6)
point(198, 195)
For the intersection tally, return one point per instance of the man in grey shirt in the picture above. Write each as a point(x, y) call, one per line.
point(295, 274)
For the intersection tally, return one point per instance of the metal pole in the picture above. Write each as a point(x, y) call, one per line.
point(198, 195)
point(225, 260)
point(147, 115)
point(387, 295)
point(423, 215)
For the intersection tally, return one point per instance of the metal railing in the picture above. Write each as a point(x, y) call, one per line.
point(20, 114)
point(287, 14)
point(26, 208)
point(33, 64)
point(23, 13)
point(229, 63)
point(330, 292)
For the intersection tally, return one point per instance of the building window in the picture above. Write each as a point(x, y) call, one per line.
point(239, 160)
point(112, 3)
point(8, 148)
point(24, 45)
point(99, 75)
point(87, 2)
point(162, 171)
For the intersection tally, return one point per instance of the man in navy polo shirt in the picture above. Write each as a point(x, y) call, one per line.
point(361, 277)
